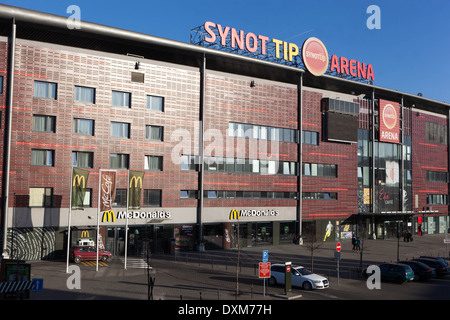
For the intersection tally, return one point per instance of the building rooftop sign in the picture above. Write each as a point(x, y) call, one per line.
point(313, 55)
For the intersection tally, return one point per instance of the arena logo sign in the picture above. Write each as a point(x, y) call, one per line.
point(236, 214)
point(109, 216)
point(314, 53)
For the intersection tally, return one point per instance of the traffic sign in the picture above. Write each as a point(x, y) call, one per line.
point(338, 247)
point(38, 284)
point(264, 269)
point(265, 255)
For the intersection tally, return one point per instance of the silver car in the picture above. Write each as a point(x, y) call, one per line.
point(300, 277)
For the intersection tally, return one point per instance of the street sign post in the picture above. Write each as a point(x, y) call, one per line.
point(264, 273)
point(337, 257)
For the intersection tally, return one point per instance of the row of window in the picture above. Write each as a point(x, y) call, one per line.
point(227, 194)
point(236, 165)
point(437, 199)
point(83, 159)
point(252, 131)
point(436, 176)
point(48, 90)
point(46, 123)
point(43, 197)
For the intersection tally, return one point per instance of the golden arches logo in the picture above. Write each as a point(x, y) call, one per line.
point(136, 181)
point(85, 234)
point(79, 179)
point(234, 214)
point(108, 216)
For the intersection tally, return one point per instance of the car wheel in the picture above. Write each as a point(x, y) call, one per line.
point(399, 280)
point(104, 258)
point(307, 285)
point(272, 281)
point(77, 259)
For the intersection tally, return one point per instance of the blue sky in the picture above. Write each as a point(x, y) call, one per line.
point(410, 52)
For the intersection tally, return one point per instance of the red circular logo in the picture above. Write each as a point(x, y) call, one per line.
point(389, 116)
point(315, 56)
point(338, 247)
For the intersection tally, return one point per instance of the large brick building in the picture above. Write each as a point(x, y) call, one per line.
point(226, 142)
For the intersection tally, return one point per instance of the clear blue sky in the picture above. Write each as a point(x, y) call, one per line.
point(410, 52)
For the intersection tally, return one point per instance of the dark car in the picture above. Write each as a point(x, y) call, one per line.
point(440, 267)
point(82, 253)
point(434, 258)
point(395, 272)
point(421, 270)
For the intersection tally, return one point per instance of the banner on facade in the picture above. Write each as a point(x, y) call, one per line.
point(134, 189)
point(79, 182)
point(107, 189)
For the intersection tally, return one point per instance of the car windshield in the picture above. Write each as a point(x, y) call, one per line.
point(302, 271)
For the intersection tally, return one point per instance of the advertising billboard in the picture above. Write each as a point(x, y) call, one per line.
point(389, 121)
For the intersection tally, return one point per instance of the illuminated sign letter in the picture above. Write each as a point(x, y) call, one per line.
point(207, 27)
point(234, 215)
point(108, 216)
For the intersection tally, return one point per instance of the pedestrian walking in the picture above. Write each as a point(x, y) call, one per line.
point(353, 242)
point(358, 244)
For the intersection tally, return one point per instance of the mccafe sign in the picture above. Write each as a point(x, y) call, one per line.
point(313, 52)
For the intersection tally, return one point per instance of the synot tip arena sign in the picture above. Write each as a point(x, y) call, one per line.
point(313, 55)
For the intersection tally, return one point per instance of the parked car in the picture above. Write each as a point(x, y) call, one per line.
point(440, 259)
point(395, 272)
point(441, 268)
point(300, 277)
point(82, 253)
point(421, 270)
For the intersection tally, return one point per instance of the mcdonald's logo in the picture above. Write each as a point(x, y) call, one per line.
point(234, 214)
point(77, 178)
point(108, 216)
point(85, 234)
point(136, 181)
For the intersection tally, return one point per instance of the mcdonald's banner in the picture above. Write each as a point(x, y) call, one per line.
point(79, 182)
point(107, 189)
point(134, 189)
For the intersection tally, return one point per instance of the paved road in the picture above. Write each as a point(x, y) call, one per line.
point(211, 275)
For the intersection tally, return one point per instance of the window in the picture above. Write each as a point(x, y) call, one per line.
point(436, 133)
point(83, 126)
point(120, 200)
point(154, 133)
point(152, 198)
point(311, 137)
point(120, 130)
point(42, 123)
point(252, 131)
point(118, 161)
point(121, 99)
point(84, 94)
point(435, 176)
point(1, 84)
point(44, 90)
point(41, 197)
point(188, 194)
point(155, 103)
point(154, 163)
point(319, 196)
point(437, 199)
point(319, 170)
point(188, 162)
point(42, 157)
point(87, 202)
point(82, 159)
